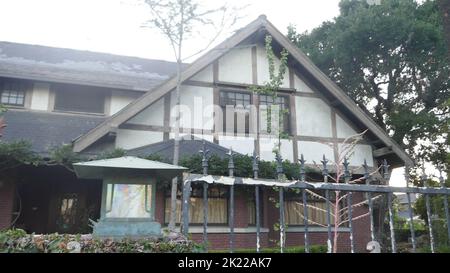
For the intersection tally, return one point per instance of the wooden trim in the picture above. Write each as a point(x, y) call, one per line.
point(293, 125)
point(51, 98)
point(334, 133)
point(28, 96)
point(308, 95)
point(167, 104)
point(107, 102)
point(255, 99)
point(216, 98)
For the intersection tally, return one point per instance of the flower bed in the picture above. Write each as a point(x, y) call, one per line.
point(16, 241)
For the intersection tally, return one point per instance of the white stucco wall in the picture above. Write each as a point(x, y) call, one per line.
point(130, 139)
point(313, 117)
point(40, 97)
point(263, 68)
point(184, 135)
point(236, 66)
point(344, 129)
point(243, 145)
point(266, 146)
point(119, 100)
point(359, 153)
point(301, 86)
point(152, 115)
point(196, 107)
point(314, 151)
point(206, 75)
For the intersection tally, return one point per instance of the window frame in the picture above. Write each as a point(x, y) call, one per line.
point(23, 86)
point(286, 106)
point(199, 187)
point(223, 106)
point(297, 197)
point(58, 89)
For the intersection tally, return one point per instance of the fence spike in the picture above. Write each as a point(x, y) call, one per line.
point(324, 168)
point(204, 152)
point(424, 179)
point(410, 211)
point(279, 160)
point(302, 168)
point(347, 175)
point(231, 163)
point(255, 165)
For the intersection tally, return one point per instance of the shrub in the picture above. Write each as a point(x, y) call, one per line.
point(18, 241)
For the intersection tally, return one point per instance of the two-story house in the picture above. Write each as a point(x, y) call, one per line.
point(97, 102)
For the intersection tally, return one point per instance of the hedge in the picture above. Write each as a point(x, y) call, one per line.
point(18, 241)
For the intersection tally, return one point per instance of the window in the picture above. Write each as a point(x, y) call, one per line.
point(293, 210)
point(13, 93)
point(217, 205)
point(67, 211)
point(236, 111)
point(128, 201)
point(265, 101)
point(251, 208)
point(76, 98)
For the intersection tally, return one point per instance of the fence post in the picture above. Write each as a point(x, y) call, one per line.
point(428, 207)
point(204, 152)
point(231, 216)
point(305, 203)
point(327, 198)
point(186, 197)
point(347, 177)
point(410, 212)
point(255, 168)
point(369, 200)
point(389, 201)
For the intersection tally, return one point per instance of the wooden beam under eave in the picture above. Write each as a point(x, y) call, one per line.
point(382, 152)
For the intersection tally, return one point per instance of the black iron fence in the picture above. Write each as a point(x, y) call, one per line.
point(340, 181)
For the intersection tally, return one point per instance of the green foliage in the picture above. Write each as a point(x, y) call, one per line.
point(16, 153)
point(271, 88)
point(243, 167)
point(17, 241)
point(393, 56)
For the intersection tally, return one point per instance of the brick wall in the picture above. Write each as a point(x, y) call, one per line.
point(270, 216)
point(6, 203)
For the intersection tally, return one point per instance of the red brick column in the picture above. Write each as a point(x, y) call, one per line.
point(6, 203)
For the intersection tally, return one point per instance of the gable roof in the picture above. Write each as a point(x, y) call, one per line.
point(261, 23)
point(43, 63)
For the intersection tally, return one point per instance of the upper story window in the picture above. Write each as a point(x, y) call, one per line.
point(235, 111)
point(77, 98)
point(265, 102)
point(13, 93)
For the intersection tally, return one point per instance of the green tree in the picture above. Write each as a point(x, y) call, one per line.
point(392, 60)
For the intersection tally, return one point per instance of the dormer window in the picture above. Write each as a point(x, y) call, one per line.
point(13, 93)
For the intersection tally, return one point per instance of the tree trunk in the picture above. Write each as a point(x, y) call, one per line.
point(176, 148)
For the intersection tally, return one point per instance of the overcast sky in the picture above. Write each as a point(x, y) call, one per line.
point(114, 26)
